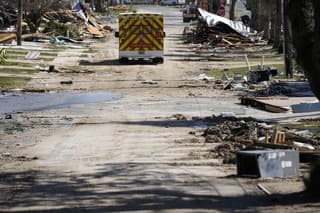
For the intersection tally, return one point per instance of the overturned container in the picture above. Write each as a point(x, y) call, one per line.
point(268, 163)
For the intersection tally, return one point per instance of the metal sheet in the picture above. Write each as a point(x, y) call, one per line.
point(213, 20)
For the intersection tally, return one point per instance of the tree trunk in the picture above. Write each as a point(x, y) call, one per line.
point(276, 26)
point(305, 18)
point(232, 9)
point(215, 6)
point(288, 46)
point(98, 5)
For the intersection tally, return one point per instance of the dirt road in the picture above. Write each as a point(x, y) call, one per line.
point(129, 155)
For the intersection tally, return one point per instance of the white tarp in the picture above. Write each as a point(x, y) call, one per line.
point(213, 19)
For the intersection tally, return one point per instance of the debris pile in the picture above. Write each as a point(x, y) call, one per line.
point(213, 30)
point(75, 21)
point(234, 134)
point(284, 88)
point(69, 20)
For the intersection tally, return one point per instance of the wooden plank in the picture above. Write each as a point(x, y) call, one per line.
point(7, 37)
point(94, 31)
point(255, 102)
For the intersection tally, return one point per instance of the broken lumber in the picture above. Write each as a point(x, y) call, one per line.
point(255, 102)
point(7, 37)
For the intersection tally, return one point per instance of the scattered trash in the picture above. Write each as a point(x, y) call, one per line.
point(8, 116)
point(51, 69)
point(57, 41)
point(179, 117)
point(303, 145)
point(149, 82)
point(227, 114)
point(6, 154)
point(264, 189)
point(304, 133)
point(66, 82)
point(204, 77)
point(32, 55)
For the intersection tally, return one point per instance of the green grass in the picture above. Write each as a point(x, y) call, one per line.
point(240, 70)
point(84, 56)
point(22, 57)
point(13, 82)
point(17, 71)
point(21, 52)
point(49, 54)
point(116, 12)
point(14, 63)
point(16, 52)
point(90, 50)
point(313, 125)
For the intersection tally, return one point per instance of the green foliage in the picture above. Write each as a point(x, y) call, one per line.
point(3, 57)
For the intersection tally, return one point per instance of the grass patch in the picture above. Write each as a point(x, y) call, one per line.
point(313, 125)
point(18, 71)
point(18, 57)
point(14, 63)
point(18, 52)
point(90, 50)
point(84, 56)
point(117, 12)
point(240, 70)
point(13, 82)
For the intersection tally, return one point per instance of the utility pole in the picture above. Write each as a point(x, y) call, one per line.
point(19, 29)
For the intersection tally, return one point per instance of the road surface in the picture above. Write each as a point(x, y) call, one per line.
point(129, 155)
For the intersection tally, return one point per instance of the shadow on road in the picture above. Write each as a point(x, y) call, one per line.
point(122, 187)
point(113, 62)
point(194, 122)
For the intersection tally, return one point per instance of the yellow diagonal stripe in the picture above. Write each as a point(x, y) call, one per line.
point(127, 41)
point(154, 41)
point(157, 20)
point(124, 19)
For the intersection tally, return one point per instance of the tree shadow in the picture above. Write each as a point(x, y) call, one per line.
point(113, 62)
point(191, 123)
point(122, 187)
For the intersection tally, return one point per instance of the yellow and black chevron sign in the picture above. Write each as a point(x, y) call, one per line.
point(141, 32)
